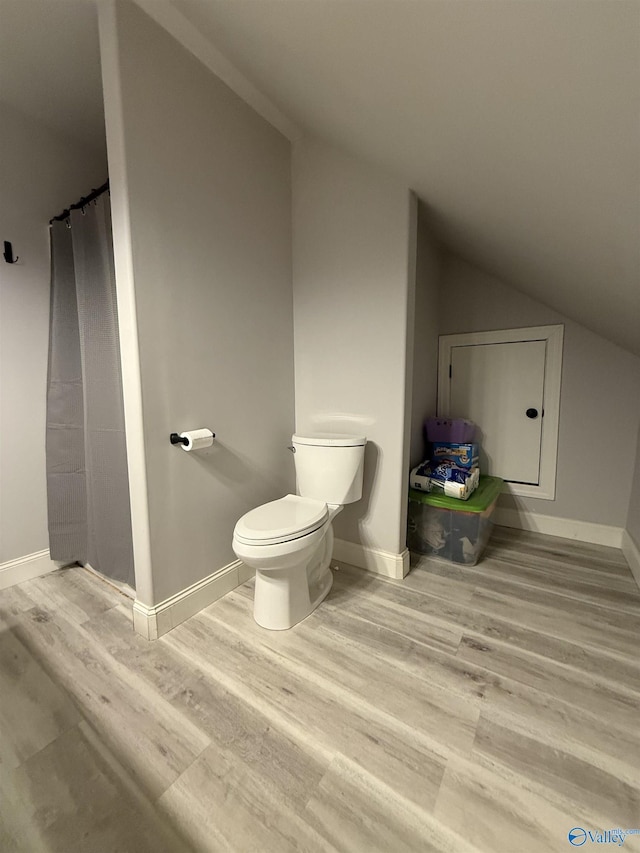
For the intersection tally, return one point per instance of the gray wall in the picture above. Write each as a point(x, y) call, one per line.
point(210, 222)
point(352, 287)
point(40, 174)
point(633, 516)
point(600, 397)
point(425, 335)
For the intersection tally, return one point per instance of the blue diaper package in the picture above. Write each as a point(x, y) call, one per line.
point(462, 455)
point(447, 470)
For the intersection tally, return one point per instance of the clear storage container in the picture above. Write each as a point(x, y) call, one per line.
point(452, 529)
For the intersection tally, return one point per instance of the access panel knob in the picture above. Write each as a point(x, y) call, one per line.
point(532, 413)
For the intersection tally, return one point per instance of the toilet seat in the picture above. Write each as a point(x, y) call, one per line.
point(288, 518)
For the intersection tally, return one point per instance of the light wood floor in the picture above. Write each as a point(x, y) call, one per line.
point(490, 708)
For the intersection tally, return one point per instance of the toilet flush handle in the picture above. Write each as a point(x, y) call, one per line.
point(291, 448)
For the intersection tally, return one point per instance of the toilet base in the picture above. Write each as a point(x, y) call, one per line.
point(292, 577)
point(284, 598)
point(320, 590)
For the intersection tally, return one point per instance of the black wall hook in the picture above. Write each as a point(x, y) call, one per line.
point(8, 253)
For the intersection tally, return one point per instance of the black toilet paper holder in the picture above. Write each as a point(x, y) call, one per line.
point(174, 438)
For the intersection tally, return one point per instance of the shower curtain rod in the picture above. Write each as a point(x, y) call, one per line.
point(82, 203)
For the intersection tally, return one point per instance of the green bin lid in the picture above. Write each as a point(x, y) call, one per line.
point(483, 497)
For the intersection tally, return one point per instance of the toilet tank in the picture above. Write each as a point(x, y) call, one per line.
point(329, 466)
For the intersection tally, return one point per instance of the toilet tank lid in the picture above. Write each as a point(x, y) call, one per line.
point(330, 439)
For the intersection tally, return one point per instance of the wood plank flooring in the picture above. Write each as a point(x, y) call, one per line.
point(490, 708)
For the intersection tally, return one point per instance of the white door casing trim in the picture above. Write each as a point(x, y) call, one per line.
point(554, 337)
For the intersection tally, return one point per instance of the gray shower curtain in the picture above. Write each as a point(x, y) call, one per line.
point(87, 479)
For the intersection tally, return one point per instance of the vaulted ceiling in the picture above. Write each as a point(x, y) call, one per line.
point(517, 122)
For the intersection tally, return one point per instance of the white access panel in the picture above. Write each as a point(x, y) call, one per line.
point(500, 386)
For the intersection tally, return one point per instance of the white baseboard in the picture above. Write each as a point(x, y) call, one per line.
point(568, 528)
point(372, 559)
point(26, 568)
point(632, 555)
point(153, 622)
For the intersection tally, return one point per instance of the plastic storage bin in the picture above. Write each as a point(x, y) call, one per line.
point(449, 528)
point(457, 430)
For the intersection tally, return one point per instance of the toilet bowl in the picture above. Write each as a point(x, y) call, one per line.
point(291, 558)
point(289, 541)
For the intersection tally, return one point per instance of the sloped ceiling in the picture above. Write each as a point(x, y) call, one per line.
point(517, 122)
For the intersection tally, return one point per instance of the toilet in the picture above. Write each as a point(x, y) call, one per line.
point(289, 542)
